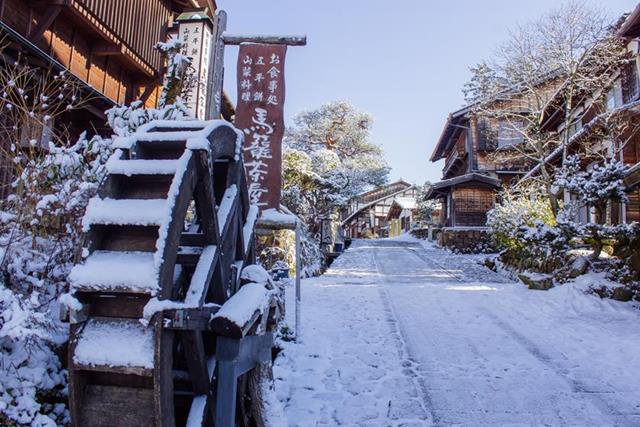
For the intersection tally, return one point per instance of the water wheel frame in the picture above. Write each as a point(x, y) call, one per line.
point(200, 248)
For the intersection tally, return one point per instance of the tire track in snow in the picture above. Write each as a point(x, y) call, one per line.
point(575, 386)
point(408, 361)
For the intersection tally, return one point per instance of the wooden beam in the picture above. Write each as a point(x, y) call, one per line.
point(216, 71)
point(50, 16)
point(150, 87)
point(232, 39)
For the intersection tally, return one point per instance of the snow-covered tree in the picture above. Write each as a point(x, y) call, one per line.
point(569, 52)
point(329, 159)
point(594, 188)
point(179, 76)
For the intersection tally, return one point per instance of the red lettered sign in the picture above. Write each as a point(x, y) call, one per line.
point(260, 115)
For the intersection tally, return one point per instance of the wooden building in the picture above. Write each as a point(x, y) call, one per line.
point(106, 45)
point(471, 175)
point(401, 215)
point(588, 134)
point(366, 215)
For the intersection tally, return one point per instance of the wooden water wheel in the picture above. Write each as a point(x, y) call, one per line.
point(162, 333)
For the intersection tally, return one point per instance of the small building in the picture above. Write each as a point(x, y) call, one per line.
point(401, 214)
point(366, 215)
point(465, 199)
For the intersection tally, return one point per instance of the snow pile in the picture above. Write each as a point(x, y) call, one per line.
point(30, 370)
point(134, 271)
point(240, 308)
point(115, 343)
point(275, 218)
point(255, 274)
point(124, 212)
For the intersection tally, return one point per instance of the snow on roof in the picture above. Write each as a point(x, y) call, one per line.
point(273, 217)
point(406, 202)
point(115, 343)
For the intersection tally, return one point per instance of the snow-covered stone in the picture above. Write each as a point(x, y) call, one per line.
point(538, 281)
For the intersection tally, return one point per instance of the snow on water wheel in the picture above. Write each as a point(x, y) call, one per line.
point(166, 241)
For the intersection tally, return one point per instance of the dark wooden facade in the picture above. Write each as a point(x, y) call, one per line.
point(588, 132)
point(107, 44)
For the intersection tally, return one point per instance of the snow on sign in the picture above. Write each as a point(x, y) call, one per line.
point(260, 115)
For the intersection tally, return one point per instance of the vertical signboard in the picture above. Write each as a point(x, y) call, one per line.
point(260, 115)
point(195, 32)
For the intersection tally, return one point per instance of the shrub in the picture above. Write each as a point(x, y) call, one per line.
point(515, 211)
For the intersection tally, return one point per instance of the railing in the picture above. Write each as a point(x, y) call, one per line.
point(138, 24)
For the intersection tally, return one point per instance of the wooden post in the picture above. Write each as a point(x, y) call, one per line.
point(216, 69)
point(298, 291)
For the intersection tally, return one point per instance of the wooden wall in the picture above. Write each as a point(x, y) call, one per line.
point(72, 42)
point(471, 204)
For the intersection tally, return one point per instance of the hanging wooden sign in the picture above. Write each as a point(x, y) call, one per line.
point(260, 115)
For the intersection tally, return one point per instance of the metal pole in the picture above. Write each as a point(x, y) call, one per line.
point(298, 292)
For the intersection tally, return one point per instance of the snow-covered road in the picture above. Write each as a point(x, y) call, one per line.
point(400, 334)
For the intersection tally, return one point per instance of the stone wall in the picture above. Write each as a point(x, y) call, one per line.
point(465, 239)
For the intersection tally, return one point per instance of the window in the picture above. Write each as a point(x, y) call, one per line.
point(614, 97)
point(510, 133)
point(575, 126)
point(629, 78)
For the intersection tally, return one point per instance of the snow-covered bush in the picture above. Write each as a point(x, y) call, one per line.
point(514, 212)
point(594, 188)
point(39, 236)
point(40, 232)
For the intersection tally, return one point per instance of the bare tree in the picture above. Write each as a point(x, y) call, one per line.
point(566, 58)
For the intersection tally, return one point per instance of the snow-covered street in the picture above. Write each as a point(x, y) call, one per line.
point(400, 334)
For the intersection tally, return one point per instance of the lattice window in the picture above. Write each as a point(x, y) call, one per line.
point(471, 206)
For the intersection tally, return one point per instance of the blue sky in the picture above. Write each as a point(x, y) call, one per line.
point(403, 61)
